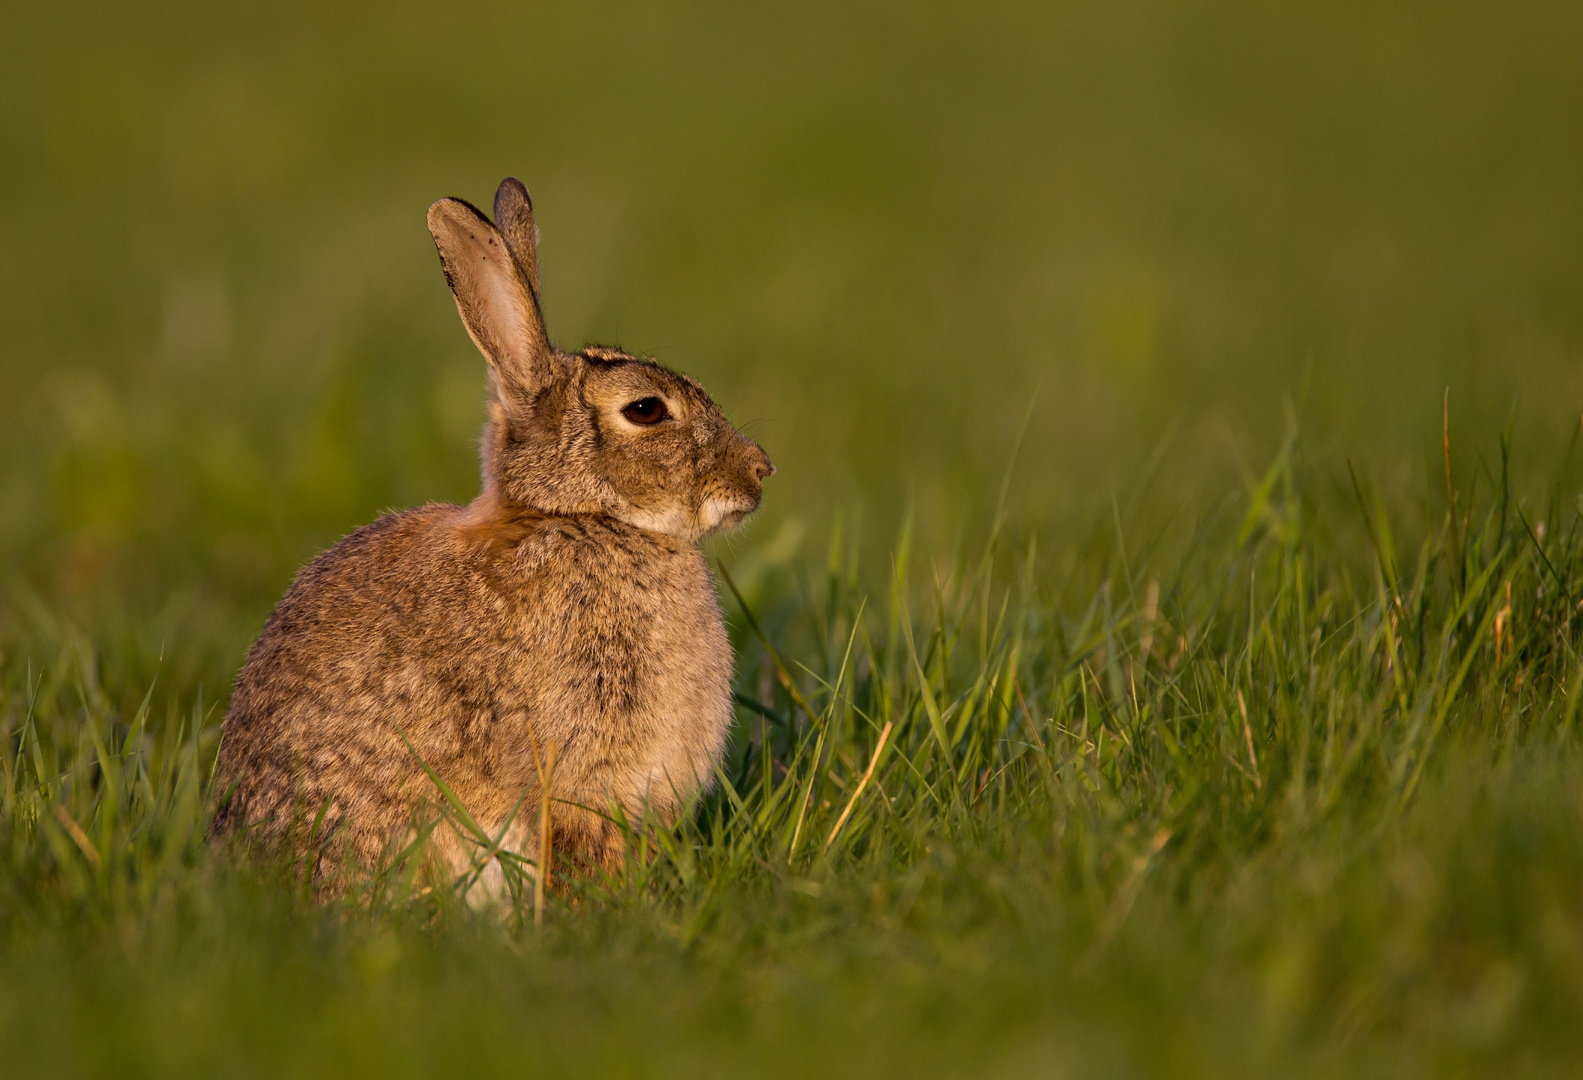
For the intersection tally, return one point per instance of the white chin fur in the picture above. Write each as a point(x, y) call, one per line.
point(712, 513)
point(676, 522)
point(718, 515)
point(672, 522)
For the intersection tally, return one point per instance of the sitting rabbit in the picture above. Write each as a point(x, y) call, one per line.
point(567, 609)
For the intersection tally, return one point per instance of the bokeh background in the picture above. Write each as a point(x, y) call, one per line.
point(1153, 236)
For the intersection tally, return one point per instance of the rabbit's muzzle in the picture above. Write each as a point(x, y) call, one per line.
point(737, 488)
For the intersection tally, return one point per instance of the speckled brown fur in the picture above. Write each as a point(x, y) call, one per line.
point(568, 604)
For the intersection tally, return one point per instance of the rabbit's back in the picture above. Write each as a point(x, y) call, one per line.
point(472, 635)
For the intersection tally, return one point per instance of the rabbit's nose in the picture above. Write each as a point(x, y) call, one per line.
point(763, 468)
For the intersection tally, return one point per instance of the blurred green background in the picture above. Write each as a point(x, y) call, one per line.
point(881, 234)
point(1153, 237)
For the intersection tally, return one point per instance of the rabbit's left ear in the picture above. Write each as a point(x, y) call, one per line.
point(494, 297)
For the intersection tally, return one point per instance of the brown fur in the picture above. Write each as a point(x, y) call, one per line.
point(568, 605)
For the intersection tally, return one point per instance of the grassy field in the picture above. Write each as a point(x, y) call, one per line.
point(1159, 652)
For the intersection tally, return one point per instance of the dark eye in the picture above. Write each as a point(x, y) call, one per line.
point(649, 410)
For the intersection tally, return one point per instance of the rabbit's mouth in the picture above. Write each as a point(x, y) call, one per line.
point(723, 515)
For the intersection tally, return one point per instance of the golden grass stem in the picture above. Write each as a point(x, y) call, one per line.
point(74, 830)
point(868, 774)
point(546, 835)
point(1247, 734)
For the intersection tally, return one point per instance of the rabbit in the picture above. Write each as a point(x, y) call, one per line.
point(568, 609)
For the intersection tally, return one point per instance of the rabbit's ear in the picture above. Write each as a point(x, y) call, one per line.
point(493, 295)
point(514, 217)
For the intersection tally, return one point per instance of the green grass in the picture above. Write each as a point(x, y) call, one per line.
point(1232, 708)
point(1256, 808)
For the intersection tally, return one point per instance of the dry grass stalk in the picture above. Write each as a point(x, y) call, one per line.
point(868, 774)
point(1247, 734)
point(546, 835)
point(79, 837)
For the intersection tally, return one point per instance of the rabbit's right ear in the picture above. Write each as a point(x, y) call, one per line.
point(494, 297)
point(514, 218)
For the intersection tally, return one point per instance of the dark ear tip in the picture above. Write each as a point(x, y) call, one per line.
point(511, 189)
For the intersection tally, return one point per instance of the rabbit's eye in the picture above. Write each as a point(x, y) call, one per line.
point(646, 411)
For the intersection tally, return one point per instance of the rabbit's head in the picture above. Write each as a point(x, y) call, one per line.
point(596, 431)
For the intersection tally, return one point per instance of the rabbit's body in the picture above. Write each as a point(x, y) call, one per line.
point(565, 633)
point(568, 607)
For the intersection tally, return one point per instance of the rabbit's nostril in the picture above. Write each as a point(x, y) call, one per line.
point(763, 468)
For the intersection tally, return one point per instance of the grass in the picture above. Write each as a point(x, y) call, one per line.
point(1232, 729)
point(1267, 806)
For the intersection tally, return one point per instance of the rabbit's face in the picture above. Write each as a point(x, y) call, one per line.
point(625, 437)
point(672, 461)
point(594, 432)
